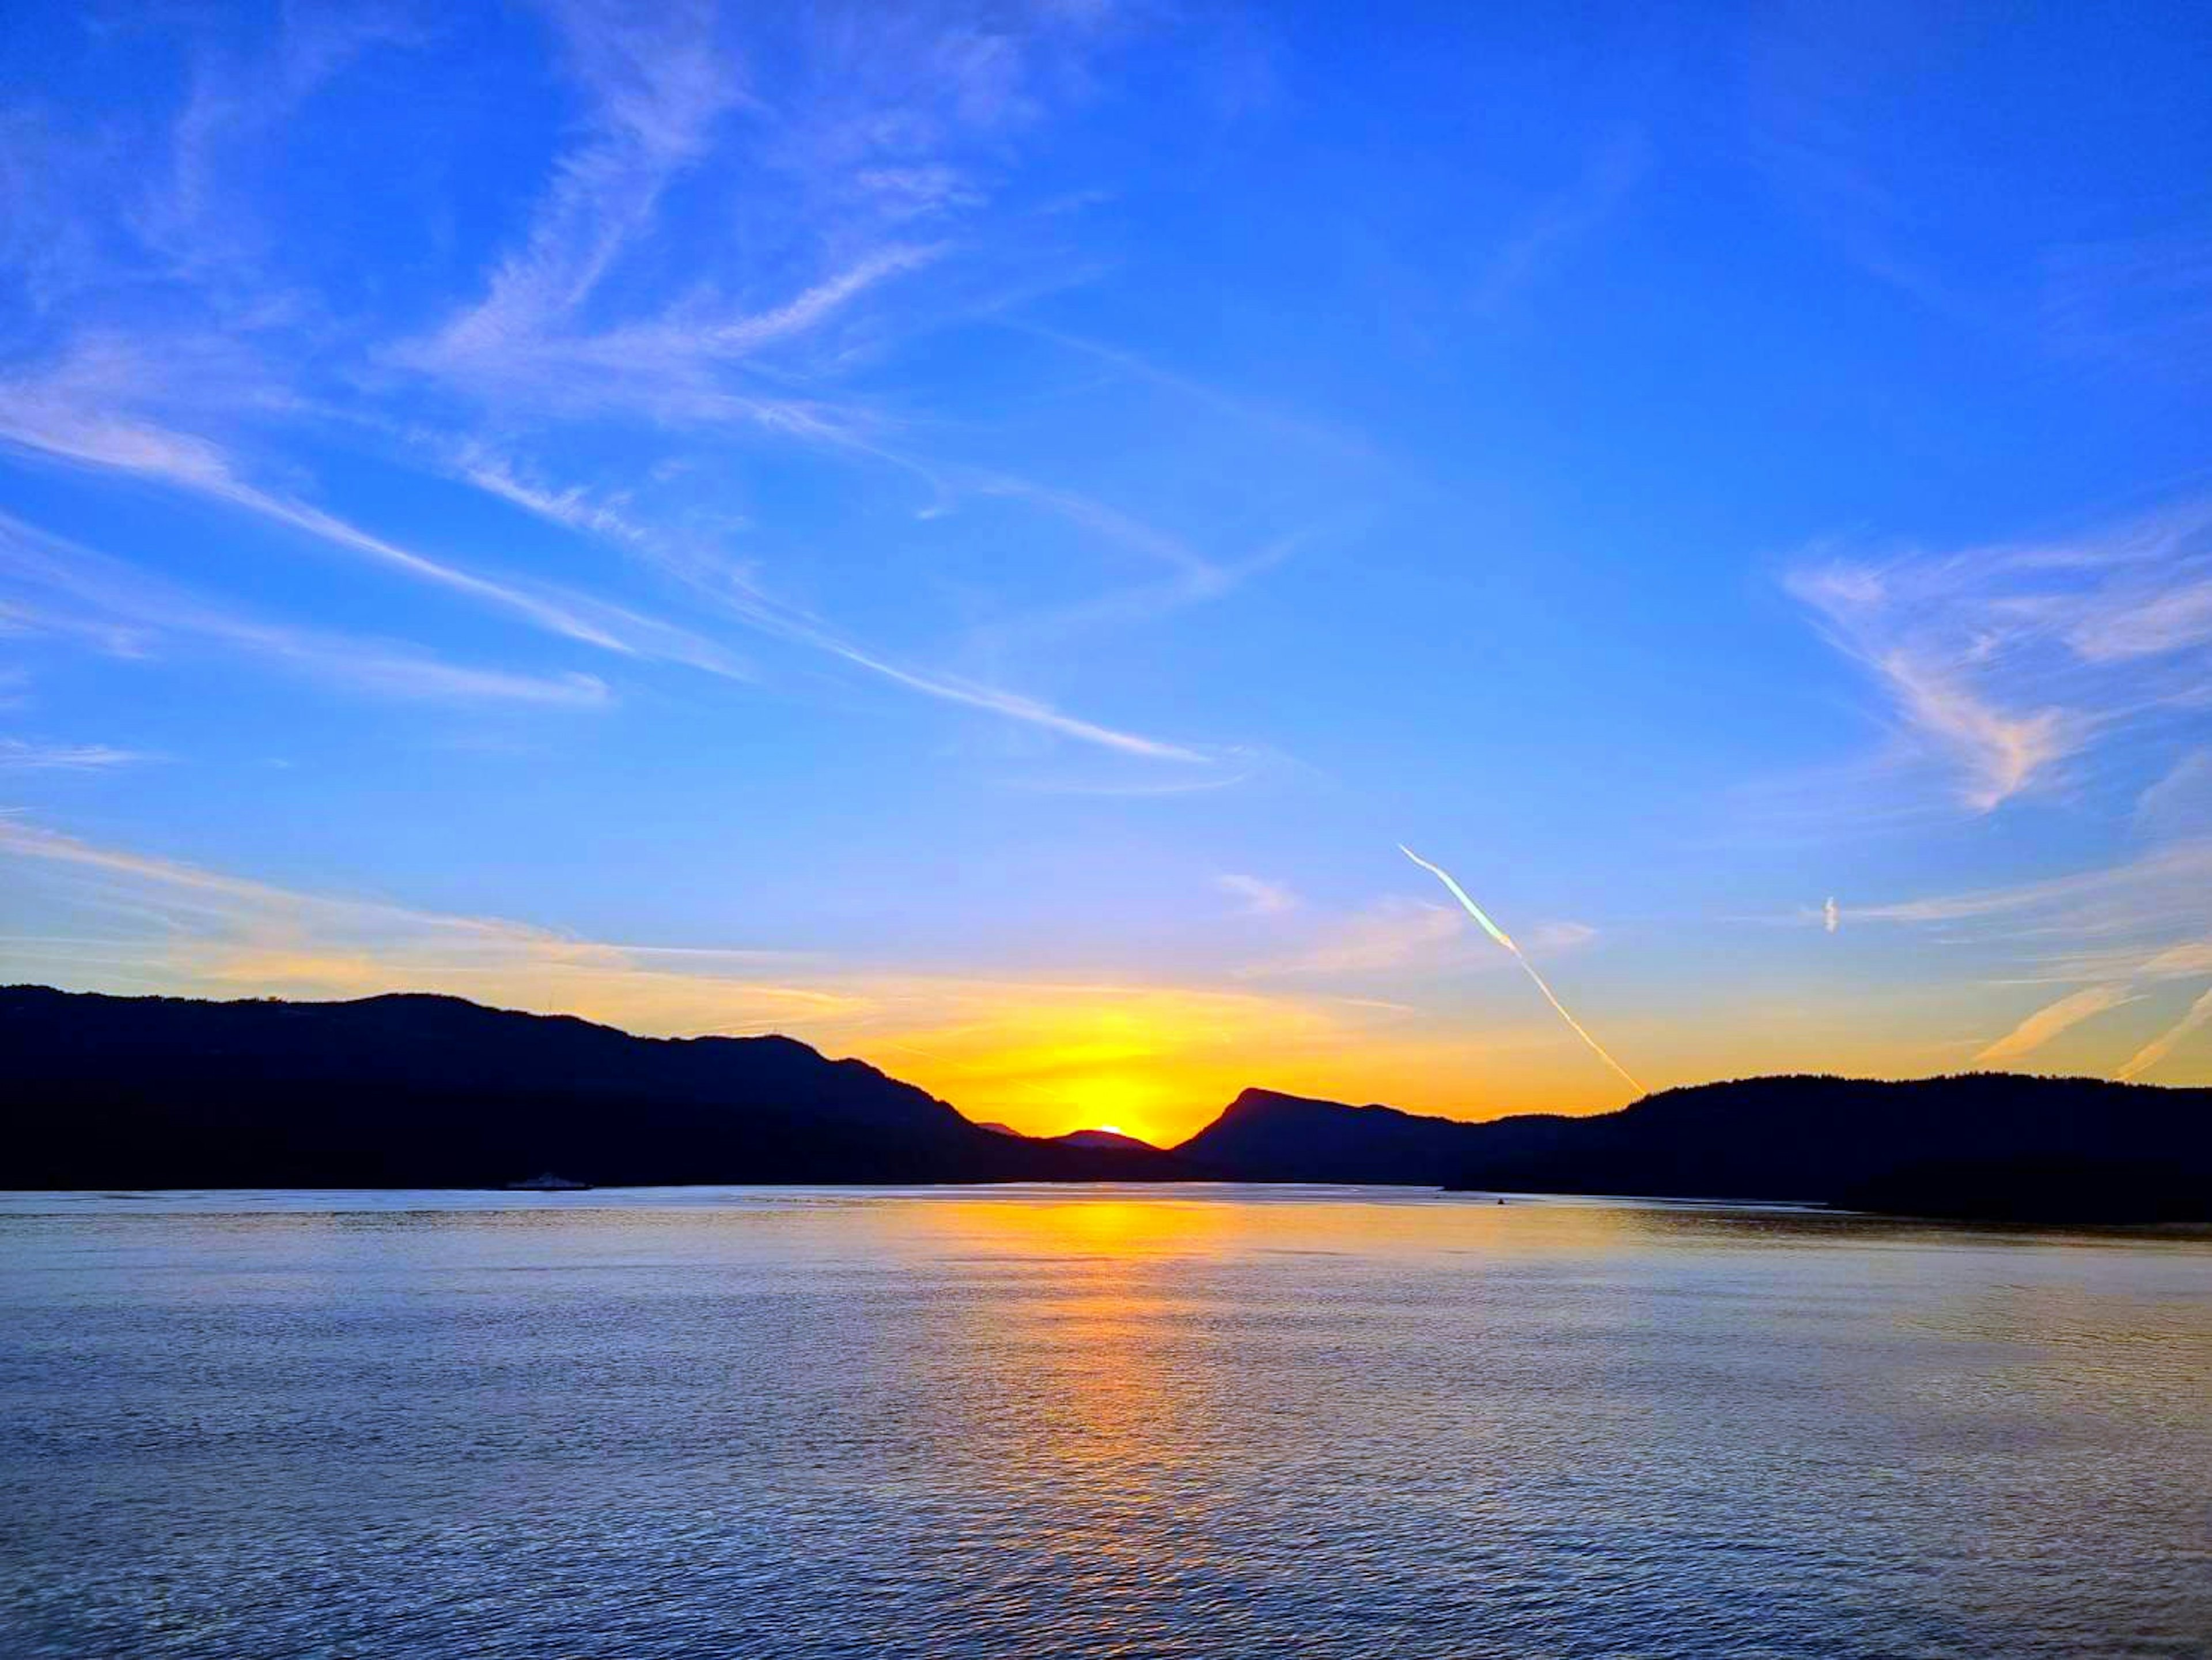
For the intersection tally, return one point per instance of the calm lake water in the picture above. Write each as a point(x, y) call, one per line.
point(1001, 1422)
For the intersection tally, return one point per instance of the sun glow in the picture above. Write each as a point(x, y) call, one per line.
point(1043, 1057)
point(1153, 1062)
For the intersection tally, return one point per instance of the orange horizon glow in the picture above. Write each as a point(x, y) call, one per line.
point(1157, 1059)
point(1157, 1063)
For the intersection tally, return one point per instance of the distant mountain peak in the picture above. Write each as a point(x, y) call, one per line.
point(1114, 1140)
point(1990, 1143)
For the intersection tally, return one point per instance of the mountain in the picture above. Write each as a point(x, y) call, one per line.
point(1984, 1144)
point(1265, 1136)
point(412, 1091)
point(1138, 1157)
point(1113, 1139)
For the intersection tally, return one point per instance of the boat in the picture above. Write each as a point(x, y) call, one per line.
point(549, 1183)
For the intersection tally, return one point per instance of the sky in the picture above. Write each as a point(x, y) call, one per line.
point(970, 535)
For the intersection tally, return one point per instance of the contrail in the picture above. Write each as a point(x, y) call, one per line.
point(1527, 967)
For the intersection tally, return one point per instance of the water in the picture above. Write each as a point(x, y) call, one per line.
point(1216, 1422)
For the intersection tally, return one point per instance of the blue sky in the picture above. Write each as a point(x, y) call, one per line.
point(970, 534)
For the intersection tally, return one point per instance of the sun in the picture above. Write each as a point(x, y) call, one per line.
point(1120, 1102)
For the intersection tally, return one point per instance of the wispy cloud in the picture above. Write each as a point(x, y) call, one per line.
point(1016, 707)
point(573, 506)
point(2125, 898)
point(546, 344)
point(20, 755)
point(1820, 87)
point(76, 414)
point(2047, 1022)
point(1250, 411)
point(1571, 215)
point(57, 418)
point(737, 597)
point(689, 334)
point(2143, 302)
point(2199, 1015)
point(1231, 767)
point(185, 211)
point(2116, 933)
point(61, 588)
point(1256, 897)
point(1190, 577)
point(2006, 667)
point(741, 216)
point(1120, 529)
point(656, 84)
point(1999, 754)
point(1392, 935)
point(843, 137)
point(2178, 805)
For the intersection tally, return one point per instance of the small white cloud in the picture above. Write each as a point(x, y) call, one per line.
point(1394, 934)
point(1259, 898)
point(18, 756)
point(1832, 916)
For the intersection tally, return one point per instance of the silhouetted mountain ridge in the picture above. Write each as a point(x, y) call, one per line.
point(2001, 1141)
point(417, 1089)
point(1113, 1139)
point(1816, 1136)
point(1266, 1135)
point(411, 1090)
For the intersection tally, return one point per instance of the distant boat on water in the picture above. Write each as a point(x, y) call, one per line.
point(549, 1183)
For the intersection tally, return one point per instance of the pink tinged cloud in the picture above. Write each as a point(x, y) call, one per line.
point(2001, 754)
point(1258, 897)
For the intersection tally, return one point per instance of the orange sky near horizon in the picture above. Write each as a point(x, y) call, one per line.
point(1448, 1029)
point(1157, 1062)
point(983, 538)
